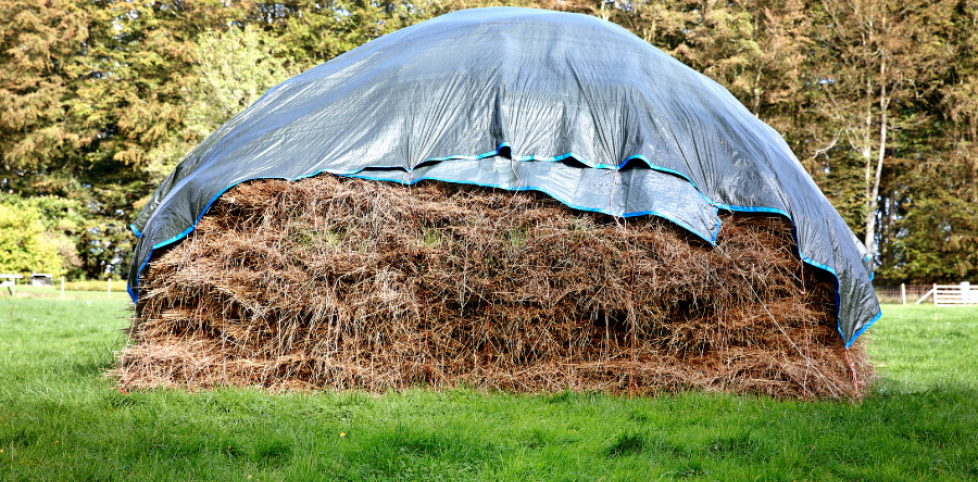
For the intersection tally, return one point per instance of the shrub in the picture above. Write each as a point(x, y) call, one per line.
point(24, 246)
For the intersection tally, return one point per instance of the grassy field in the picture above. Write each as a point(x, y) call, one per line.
point(61, 419)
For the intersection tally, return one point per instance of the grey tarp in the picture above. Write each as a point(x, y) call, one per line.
point(522, 99)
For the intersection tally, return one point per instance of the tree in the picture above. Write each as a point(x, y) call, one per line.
point(878, 98)
point(23, 246)
point(137, 70)
point(877, 61)
point(933, 224)
point(314, 32)
point(234, 67)
point(37, 41)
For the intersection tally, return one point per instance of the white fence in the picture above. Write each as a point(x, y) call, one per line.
point(949, 295)
point(901, 293)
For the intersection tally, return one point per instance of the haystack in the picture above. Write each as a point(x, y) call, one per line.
point(344, 283)
point(637, 230)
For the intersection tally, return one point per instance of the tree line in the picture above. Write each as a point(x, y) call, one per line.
point(100, 99)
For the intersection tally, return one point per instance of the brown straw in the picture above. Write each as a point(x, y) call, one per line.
point(345, 283)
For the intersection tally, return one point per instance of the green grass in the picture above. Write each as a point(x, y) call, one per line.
point(925, 348)
point(61, 419)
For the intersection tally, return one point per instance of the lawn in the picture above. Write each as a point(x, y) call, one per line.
point(62, 419)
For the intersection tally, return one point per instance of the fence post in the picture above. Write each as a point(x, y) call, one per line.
point(110, 288)
point(903, 293)
point(935, 294)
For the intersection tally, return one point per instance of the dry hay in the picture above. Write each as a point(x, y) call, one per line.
point(346, 283)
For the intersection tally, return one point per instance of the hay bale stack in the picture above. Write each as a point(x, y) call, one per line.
point(346, 283)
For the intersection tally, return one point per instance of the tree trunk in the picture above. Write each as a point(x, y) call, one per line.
point(871, 202)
